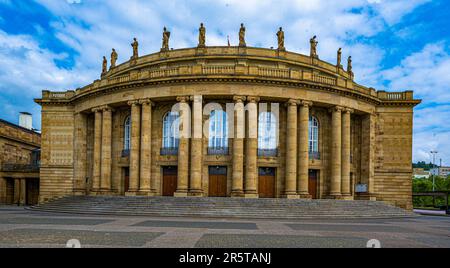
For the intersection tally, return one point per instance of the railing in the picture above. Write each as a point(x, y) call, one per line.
point(274, 72)
point(324, 79)
point(218, 70)
point(395, 96)
point(218, 150)
point(268, 152)
point(314, 155)
point(20, 167)
point(125, 153)
point(169, 151)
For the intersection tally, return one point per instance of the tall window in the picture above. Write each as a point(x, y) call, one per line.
point(126, 135)
point(218, 132)
point(267, 134)
point(314, 137)
point(171, 130)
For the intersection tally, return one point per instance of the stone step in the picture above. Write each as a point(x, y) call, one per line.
point(221, 207)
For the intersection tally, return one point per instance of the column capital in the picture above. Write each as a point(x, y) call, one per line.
point(293, 102)
point(306, 103)
point(239, 99)
point(348, 110)
point(96, 109)
point(146, 101)
point(196, 98)
point(183, 99)
point(133, 102)
point(336, 109)
point(253, 99)
point(105, 108)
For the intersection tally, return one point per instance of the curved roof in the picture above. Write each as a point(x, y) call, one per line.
point(225, 63)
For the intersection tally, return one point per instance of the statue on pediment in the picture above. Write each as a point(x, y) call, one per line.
point(280, 35)
point(202, 36)
point(242, 36)
point(105, 65)
point(165, 41)
point(314, 44)
point(339, 58)
point(135, 46)
point(114, 57)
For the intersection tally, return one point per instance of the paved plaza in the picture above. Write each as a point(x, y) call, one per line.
point(23, 228)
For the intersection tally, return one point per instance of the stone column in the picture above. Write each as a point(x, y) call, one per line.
point(183, 148)
point(345, 174)
point(238, 147)
point(97, 150)
point(23, 192)
point(105, 184)
point(196, 146)
point(303, 150)
point(146, 147)
point(368, 124)
point(291, 150)
point(135, 146)
point(336, 146)
point(251, 156)
point(16, 197)
point(80, 163)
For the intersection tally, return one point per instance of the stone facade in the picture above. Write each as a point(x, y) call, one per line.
point(364, 136)
point(19, 164)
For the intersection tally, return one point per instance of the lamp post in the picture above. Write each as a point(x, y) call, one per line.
point(434, 153)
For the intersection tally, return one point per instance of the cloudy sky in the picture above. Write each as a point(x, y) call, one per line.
point(396, 44)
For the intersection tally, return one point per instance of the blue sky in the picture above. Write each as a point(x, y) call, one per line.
point(395, 44)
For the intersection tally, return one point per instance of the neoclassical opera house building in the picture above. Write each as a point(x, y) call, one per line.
point(230, 121)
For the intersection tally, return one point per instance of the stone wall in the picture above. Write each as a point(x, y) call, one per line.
point(393, 156)
point(57, 156)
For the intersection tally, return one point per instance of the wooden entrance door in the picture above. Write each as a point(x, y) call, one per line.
point(32, 194)
point(217, 181)
point(266, 184)
point(170, 177)
point(313, 183)
point(126, 180)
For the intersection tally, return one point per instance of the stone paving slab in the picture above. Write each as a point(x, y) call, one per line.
point(199, 224)
point(53, 221)
point(29, 237)
point(277, 241)
point(348, 228)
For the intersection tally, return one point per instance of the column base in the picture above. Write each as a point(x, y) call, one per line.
point(79, 192)
point(145, 193)
point(305, 196)
point(290, 196)
point(181, 194)
point(237, 194)
point(347, 197)
point(131, 193)
point(334, 196)
point(252, 195)
point(195, 193)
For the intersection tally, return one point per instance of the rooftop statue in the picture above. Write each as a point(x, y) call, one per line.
point(165, 41)
point(339, 58)
point(114, 57)
point(202, 36)
point(105, 65)
point(280, 35)
point(314, 44)
point(350, 67)
point(135, 46)
point(242, 36)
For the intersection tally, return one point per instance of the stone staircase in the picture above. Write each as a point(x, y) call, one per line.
point(222, 207)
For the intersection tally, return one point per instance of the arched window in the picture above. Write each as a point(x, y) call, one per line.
point(218, 132)
point(314, 138)
point(127, 134)
point(171, 133)
point(267, 134)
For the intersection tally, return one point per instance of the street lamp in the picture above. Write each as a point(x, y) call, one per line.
point(434, 153)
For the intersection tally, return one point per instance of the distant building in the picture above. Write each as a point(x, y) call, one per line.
point(19, 162)
point(440, 171)
point(420, 173)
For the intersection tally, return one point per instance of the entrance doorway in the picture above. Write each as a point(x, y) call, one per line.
point(266, 184)
point(9, 191)
point(217, 181)
point(170, 177)
point(126, 180)
point(32, 192)
point(313, 179)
